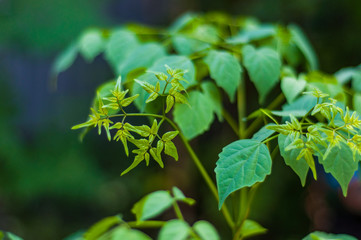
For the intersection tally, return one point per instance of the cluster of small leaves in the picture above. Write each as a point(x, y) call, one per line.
point(150, 143)
point(331, 139)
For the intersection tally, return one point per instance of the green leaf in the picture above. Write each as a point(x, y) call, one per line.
point(339, 162)
point(292, 87)
point(65, 59)
point(263, 133)
point(225, 69)
point(328, 236)
point(300, 167)
point(182, 21)
point(91, 43)
point(251, 228)
point(241, 164)
point(214, 96)
point(126, 233)
point(299, 38)
point(205, 230)
point(356, 80)
point(8, 236)
point(357, 102)
point(168, 136)
point(175, 62)
point(186, 46)
point(152, 205)
point(248, 35)
point(101, 227)
point(195, 119)
point(175, 230)
point(171, 150)
point(121, 42)
point(264, 68)
point(297, 108)
point(143, 56)
point(179, 196)
point(170, 103)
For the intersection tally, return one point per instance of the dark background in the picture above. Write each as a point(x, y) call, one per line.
point(51, 185)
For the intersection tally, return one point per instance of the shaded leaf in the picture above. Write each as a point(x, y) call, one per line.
point(175, 230)
point(196, 118)
point(205, 230)
point(152, 205)
point(225, 69)
point(264, 68)
point(214, 96)
point(263, 133)
point(292, 87)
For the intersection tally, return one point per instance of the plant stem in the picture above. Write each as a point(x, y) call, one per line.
point(203, 172)
point(146, 224)
point(232, 123)
point(241, 108)
point(177, 211)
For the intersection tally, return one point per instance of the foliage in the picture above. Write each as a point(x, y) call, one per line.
point(193, 69)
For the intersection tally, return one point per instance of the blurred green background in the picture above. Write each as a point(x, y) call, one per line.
point(51, 185)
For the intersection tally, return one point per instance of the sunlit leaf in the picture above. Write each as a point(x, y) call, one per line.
point(175, 230)
point(241, 164)
point(205, 230)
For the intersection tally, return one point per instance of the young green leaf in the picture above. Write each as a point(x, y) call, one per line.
point(264, 68)
point(174, 229)
point(168, 136)
point(170, 103)
point(152, 205)
point(179, 196)
point(225, 69)
point(251, 228)
point(171, 150)
point(127, 101)
point(152, 97)
point(241, 164)
point(156, 156)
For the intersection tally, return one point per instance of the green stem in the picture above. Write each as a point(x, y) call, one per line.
point(241, 108)
point(146, 224)
point(177, 211)
point(232, 123)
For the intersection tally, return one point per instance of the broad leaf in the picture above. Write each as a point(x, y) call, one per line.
point(225, 69)
point(8, 236)
point(304, 45)
point(142, 56)
point(196, 118)
point(357, 102)
point(339, 162)
point(121, 42)
point(297, 108)
point(241, 164)
point(263, 133)
point(328, 236)
point(248, 35)
point(251, 228)
point(264, 68)
point(292, 87)
point(182, 22)
point(214, 96)
point(101, 227)
point(205, 230)
point(175, 230)
point(124, 232)
point(300, 167)
point(152, 205)
point(186, 46)
point(65, 59)
point(91, 44)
